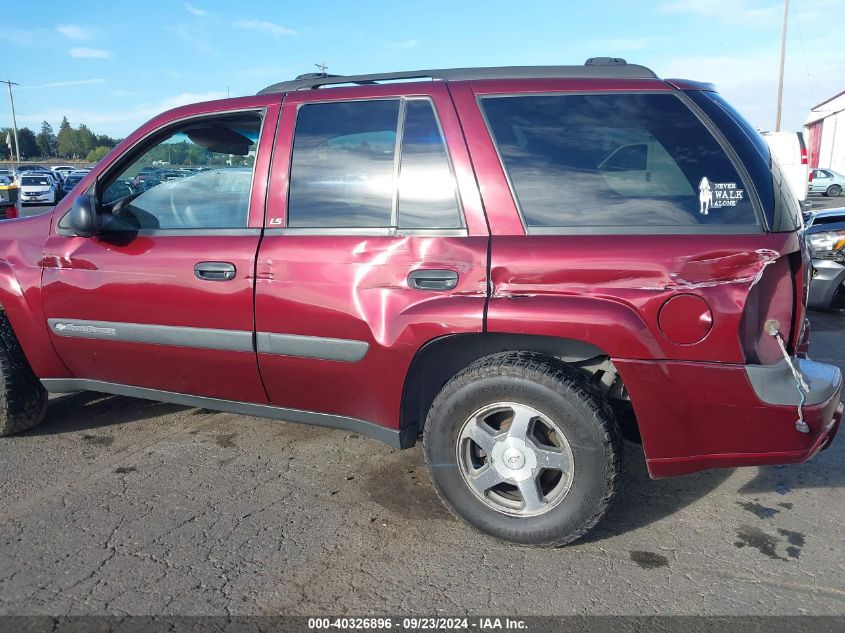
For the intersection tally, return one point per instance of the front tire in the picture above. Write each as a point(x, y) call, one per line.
point(23, 400)
point(524, 448)
point(833, 191)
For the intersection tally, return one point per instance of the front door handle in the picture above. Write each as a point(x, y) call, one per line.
point(433, 279)
point(215, 271)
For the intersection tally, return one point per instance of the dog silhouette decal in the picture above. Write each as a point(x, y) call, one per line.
point(705, 196)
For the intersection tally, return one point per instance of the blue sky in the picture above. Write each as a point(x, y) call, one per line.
point(113, 65)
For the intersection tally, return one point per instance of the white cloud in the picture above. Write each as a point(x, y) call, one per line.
point(412, 43)
point(89, 53)
point(74, 31)
point(276, 30)
point(195, 37)
point(186, 98)
point(64, 84)
point(200, 13)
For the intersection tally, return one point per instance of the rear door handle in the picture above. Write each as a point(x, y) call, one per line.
point(433, 279)
point(215, 271)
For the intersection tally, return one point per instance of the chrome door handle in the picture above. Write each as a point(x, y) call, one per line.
point(433, 279)
point(215, 271)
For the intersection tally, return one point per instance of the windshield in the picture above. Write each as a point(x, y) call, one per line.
point(34, 181)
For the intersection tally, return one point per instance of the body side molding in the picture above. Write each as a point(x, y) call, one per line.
point(388, 436)
point(318, 347)
point(178, 336)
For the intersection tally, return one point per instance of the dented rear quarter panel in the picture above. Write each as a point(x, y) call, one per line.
point(609, 290)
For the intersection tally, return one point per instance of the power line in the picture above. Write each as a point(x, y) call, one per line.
point(10, 83)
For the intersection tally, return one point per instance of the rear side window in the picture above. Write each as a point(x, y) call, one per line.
point(615, 160)
point(371, 164)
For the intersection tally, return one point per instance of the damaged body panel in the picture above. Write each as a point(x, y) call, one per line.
point(574, 289)
point(356, 288)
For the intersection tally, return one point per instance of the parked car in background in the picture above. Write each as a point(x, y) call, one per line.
point(146, 180)
point(64, 170)
point(789, 150)
point(38, 188)
point(825, 233)
point(9, 193)
point(39, 169)
point(827, 182)
point(22, 169)
point(74, 177)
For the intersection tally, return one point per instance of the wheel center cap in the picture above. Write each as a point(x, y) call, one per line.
point(513, 458)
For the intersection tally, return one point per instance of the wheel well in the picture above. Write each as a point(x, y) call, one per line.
point(441, 359)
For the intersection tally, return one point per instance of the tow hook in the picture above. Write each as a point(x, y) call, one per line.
point(772, 328)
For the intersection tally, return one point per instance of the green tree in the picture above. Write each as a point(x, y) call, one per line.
point(97, 153)
point(29, 144)
point(46, 140)
point(26, 137)
point(86, 139)
point(66, 140)
point(104, 140)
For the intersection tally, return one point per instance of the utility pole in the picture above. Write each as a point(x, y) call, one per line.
point(322, 67)
point(782, 58)
point(14, 121)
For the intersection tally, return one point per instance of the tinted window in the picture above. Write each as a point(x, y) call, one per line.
point(342, 164)
point(344, 160)
point(211, 190)
point(426, 186)
point(615, 160)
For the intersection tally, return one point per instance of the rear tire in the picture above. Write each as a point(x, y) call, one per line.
point(524, 448)
point(833, 191)
point(23, 400)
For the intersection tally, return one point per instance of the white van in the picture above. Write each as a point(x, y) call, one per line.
point(789, 150)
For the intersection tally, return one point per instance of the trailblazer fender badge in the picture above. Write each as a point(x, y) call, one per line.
point(85, 329)
point(712, 195)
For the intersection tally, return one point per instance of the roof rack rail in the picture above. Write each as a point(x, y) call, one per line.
point(594, 68)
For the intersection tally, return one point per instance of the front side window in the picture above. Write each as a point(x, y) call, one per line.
point(198, 177)
point(345, 173)
point(614, 160)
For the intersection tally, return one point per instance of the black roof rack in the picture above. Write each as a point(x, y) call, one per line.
point(595, 68)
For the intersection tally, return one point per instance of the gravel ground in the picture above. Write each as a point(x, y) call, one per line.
point(122, 506)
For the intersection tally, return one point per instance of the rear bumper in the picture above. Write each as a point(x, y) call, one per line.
point(695, 416)
point(829, 277)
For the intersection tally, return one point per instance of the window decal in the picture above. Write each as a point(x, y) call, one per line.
point(712, 195)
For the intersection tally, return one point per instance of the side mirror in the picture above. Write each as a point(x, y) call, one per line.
point(85, 216)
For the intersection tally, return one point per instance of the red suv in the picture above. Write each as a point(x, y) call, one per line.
point(520, 265)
